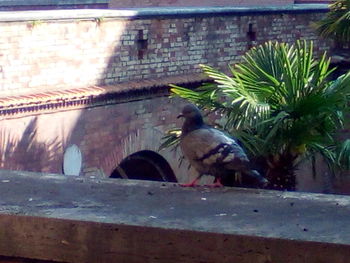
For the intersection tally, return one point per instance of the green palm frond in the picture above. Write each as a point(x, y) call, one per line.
point(171, 139)
point(343, 155)
point(336, 24)
point(252, 143)
point(328, 153)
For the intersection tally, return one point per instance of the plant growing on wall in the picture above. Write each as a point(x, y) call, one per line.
point(336, 24)
point(280, 103)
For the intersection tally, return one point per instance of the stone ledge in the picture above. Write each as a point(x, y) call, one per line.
point(52, 217)
point(50, 2)
point(41, 100)
point(132, 13)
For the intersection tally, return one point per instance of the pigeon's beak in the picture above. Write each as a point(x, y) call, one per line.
point(180, 116)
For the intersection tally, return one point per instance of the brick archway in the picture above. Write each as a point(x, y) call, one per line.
point(144, 165)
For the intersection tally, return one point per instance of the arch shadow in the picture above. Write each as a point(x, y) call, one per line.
point(144, 165)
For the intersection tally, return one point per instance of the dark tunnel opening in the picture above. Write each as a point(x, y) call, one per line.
point(145, 165)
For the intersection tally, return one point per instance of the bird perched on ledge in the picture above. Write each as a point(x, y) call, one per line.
point(212, 152)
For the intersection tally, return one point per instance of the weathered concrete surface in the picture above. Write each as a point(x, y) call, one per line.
point(52, 217)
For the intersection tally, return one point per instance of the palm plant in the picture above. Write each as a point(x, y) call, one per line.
point(280, 103)
point(336, 24)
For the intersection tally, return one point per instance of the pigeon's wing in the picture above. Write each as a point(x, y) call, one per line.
point(207, 147)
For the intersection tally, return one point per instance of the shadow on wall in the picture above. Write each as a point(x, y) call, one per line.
point(25, 152)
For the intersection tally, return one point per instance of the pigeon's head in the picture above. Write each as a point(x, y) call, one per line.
point(193, 119)
point(190, 111)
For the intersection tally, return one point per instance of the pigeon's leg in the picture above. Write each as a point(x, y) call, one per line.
point(238, 178)
point(217, 183)
point(193, 183)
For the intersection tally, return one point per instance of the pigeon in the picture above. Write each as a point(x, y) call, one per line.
point(212, 152)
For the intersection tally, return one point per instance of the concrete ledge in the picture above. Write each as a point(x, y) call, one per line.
point(50, 2)
point(155, 12)
point(51, 217)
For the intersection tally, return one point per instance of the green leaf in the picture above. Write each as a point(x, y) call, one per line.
point(343, 155)
point(336, 24)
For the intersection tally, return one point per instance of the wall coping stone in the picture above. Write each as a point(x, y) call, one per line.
point(20, 102)
point(133, 13)
point(76, 219)
point(50, 2)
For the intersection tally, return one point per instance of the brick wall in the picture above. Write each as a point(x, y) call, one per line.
point(49, 54)
point(106, 135)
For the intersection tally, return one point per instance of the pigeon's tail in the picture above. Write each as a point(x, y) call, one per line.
point(256, 176)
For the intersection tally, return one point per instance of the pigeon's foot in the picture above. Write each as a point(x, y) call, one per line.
point(191, 184)
point(217, 183)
